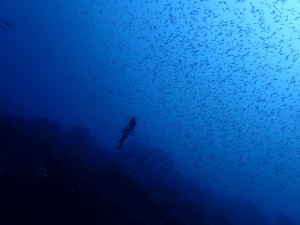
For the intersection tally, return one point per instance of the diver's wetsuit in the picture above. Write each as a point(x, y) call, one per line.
point(126, 132)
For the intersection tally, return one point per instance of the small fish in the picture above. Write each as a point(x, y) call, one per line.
point(126, 132)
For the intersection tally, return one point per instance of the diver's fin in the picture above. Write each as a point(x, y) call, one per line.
point(118, 147)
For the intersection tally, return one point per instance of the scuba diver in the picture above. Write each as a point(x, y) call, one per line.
point(126, 132)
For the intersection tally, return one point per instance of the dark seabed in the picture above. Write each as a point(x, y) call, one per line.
point(214, 87)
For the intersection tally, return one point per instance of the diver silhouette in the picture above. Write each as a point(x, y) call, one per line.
point(126, 132)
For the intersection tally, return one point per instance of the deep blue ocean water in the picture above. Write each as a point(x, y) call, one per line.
point(215, 84)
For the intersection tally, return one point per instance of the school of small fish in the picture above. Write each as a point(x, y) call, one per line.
point(215, 82)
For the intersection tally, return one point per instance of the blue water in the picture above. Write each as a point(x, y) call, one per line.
point(214, 83)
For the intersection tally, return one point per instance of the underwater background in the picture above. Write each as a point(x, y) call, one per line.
point(214, 87)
